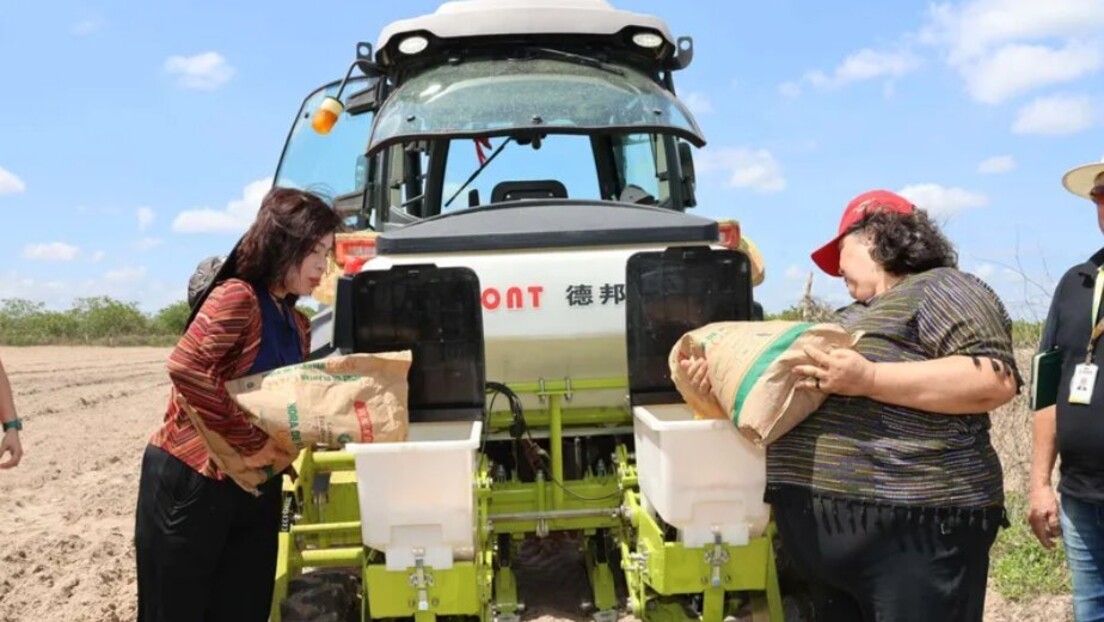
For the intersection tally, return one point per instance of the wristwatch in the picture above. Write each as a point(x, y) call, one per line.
point(14, 424)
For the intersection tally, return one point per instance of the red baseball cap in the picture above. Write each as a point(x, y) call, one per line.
point(827, 257)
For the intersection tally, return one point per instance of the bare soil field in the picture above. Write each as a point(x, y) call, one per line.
point(66, 513)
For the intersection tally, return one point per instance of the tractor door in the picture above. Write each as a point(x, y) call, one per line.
point(333, 165)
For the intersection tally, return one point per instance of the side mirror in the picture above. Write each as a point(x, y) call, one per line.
point(686, 165)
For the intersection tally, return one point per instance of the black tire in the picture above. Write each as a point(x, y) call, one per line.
point(323, 596)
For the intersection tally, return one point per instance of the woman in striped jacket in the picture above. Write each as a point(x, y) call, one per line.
point(206, 548)
point(889, 496)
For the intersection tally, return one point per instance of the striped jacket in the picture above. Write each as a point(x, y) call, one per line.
point(220, 345)
point(855, 448)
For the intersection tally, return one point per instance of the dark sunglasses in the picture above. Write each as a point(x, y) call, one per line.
point(1097, 193)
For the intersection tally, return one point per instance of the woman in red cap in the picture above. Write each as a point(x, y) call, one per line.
point(889, 497)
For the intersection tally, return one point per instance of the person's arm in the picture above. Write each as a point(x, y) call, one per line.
point(1042, 512)
point(954, 385)
point(7, 400)
point(964, 328)
point(967, 332)
point(10, 444)
point(200, 363)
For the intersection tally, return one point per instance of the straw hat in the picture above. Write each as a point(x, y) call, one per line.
point(1082, 179)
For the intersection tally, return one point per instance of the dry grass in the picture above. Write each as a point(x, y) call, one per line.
point(1028, 577)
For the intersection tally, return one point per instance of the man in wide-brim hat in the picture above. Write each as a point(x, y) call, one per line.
point(1073, 427)
point(1086, 181)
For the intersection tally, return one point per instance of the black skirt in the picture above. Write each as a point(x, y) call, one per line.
point(205, 548)
point(863, 562)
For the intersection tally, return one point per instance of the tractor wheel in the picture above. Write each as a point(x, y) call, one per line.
point(323, 596)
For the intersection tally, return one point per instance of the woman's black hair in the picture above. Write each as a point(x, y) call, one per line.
point(290, 222)
point(906, 243)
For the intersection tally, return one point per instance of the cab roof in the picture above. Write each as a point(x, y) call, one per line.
point(464, 19)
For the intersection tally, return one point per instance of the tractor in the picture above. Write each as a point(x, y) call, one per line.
point(517, 177)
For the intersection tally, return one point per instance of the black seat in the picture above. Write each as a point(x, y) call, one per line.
point(528, 189)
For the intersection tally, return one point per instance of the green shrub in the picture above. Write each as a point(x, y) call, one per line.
point(99, 320)
point(172, 318)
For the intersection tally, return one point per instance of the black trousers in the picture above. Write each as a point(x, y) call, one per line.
point(206, 549)
point(887, 564)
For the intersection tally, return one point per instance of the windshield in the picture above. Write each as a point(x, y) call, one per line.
point(497, 170)
point(497, 95)
point(332, 164)
point(567, 160)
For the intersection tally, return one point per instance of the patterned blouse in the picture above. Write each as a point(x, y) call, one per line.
point(220, 345)
point(854, 448)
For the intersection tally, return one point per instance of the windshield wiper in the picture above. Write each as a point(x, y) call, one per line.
point(480, 169)
point(582, 60)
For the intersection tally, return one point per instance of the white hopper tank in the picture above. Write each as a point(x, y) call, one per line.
point(700, 475)
point(417, 497)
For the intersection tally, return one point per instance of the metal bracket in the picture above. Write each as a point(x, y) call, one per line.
point(716, 557)
point(568, 392)
point(421, 580)
point(541, 395)
point(320, 489)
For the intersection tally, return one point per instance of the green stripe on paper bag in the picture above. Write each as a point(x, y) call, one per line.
point(775, 350)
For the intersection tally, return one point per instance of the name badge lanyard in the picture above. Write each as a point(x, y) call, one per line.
point(1097, 327)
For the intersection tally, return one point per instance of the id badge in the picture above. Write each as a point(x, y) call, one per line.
point(1081, 387)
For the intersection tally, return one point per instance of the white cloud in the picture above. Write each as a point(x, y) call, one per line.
point(9, 183)
point(145, 218)
point(795, 273)
point(14, 285)
point(51, 251)
point(1055, 115)
point(1011, 276)
point(942, 201)
point(147, 244)
point(698, 103)
point(789, 89)
point(870, 64)
point(127, 284)
point(87, 27)
point(1016, 69)
point(125, 275)
point(973, 28)
point(236, 218)
point(97, 256)
point(1006, 48)
point(202, 72)
point(997, 164)
point(754, 169)
point(985, 270)
point(866, 64)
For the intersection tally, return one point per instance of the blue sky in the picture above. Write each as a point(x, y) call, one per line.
point(117, 118)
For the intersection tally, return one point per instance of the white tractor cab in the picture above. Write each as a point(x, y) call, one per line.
point(519, 174)
point(492, 134)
